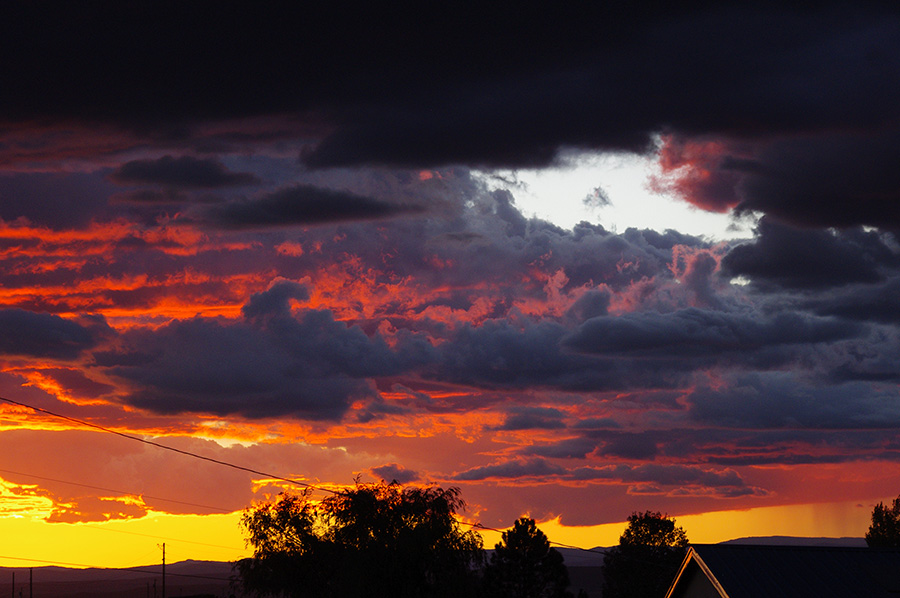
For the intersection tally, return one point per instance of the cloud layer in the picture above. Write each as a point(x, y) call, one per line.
point(269, 234)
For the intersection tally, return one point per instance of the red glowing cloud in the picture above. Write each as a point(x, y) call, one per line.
point(693, 170)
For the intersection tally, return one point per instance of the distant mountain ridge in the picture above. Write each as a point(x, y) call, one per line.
point(185, 578)
point(798, 541)
point(593, 557)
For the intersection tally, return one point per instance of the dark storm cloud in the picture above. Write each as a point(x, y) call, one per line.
point(533, 418)
point(377, 408)
point(395, 472)
point(805, 123)
point(801, 447)
point(53, 199)
point(788, 445)
point(529, 468)
point(783, 400)
point(693, 332)
point(271, 363)
point(669, 475)
point(569, 448)
point(732, 442)
point(873, 302)
point(592, 304)
point(290, 58)
point(808, 259)
point(841, 180)
point(872, 359)
point(605, 95)
point(837, 177)
point(201, 366)
point(276, 300)
point(630, 445)
point(597, 422)
point(485, 85)
point(659, 476)
point(500, 354)
point(183, 172)
point(300, 205)
point(605, 443)
point(25, 333)
point(150, 197)
point(580, 348)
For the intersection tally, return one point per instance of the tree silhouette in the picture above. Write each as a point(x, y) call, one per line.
point(885, 529)
point(524, 565)
point(371, 540)
point(645, 561)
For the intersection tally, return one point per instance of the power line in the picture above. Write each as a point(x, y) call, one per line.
point(168, 448)
point(232, 465)
point(560, 544)
point(119, 531)
point(141, 494)
point(177, 540)
point(144, 558)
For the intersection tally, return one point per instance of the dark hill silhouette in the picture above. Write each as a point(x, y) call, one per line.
point(184, 579)
point(798, 541)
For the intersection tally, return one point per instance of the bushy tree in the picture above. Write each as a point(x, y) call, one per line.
point(647, 558)
point(524, 565)
point(885, 529)
point(371, 540)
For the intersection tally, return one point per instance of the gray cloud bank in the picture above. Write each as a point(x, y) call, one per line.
point(298, 151)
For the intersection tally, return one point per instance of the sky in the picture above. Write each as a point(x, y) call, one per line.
point(578, 263)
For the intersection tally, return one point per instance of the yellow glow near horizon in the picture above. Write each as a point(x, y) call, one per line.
point(825, 520)
point(822, 520)
point(121, 543)
point(31, 541)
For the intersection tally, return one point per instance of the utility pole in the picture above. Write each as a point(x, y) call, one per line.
point(164, 571)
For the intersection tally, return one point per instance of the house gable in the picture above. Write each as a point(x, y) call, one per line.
point(694, 580)
point(749, 571)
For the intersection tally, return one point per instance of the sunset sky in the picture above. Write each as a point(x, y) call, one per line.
point(578, 262)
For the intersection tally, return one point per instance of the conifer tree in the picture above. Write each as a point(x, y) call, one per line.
point(647, 558)
point(885, 529)
point(524, 565)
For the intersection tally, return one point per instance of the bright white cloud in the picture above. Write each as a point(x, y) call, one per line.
point(611, 190)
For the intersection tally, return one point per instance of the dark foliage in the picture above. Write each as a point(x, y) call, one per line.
point(648, 555)
point(524, 565)
point(885, 529)
point(372, 540)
